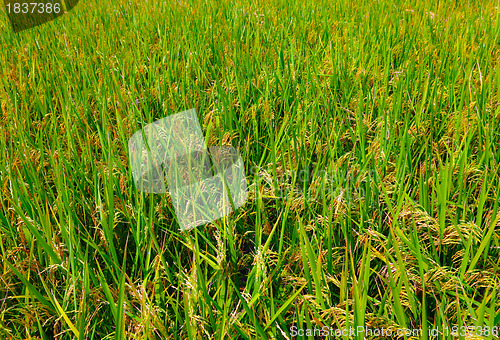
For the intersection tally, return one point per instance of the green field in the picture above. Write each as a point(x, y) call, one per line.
point(369, 132)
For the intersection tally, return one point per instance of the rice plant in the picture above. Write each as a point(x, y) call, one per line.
point(369, 132)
